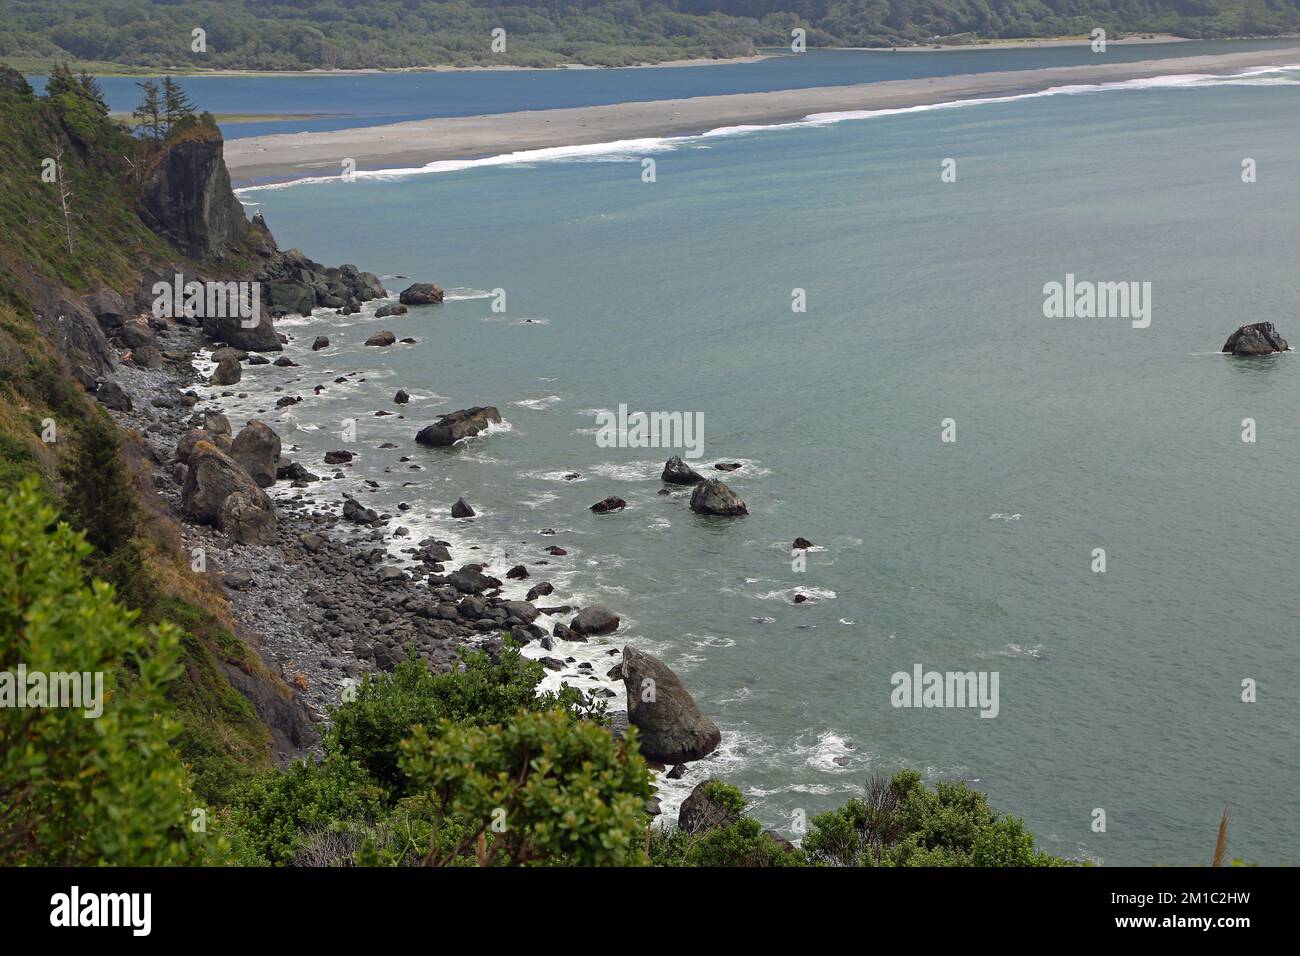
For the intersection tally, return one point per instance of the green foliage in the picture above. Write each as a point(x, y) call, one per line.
point(729, 798)
point(903, 823)
point(97, 494)
point(743, 843)
point(75, 790)
point(323, 34)
point(540, 788)
point(370, 728)
point(271, 816)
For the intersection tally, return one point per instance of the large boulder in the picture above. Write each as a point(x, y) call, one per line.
point(383, 338)
point(257, 450)
point(1258, 339)
point(465, 423)
point(109, 309)
point(701, 811)
point(289, 297)
point(248, 519)
point(211, 478)
point(386, 310)
point(677, 472)
point(231, 330)
point(672, 729)
point(462, 509)
point(712, 497)
point(364, 286)
point(71, 328)
point(594, 619)
point(421, 293)
point(227, 371)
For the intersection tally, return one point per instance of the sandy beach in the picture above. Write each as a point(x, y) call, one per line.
point(408, 144)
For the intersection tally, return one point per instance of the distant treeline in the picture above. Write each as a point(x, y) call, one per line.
point(350, 34)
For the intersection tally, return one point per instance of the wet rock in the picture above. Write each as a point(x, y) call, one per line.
point(612, 503)
point(382, 338)
point(421, 293)
point(1258, 339)
point(402, 397)
point(594, 619)
point(672, 729)
point(227, 372)
point(461, 509)
point(677, 472)
point(386, 310)
point(517, 573)
point(801, 544)
point(538, 590)
point(465, 423)
point(728, 466)
point(322, 342)
point(338, 457)
point(355, 512)
point(712, 497)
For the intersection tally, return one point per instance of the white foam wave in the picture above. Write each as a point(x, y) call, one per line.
point(630, 150)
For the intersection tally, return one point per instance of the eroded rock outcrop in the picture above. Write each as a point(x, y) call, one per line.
point(712, 497)
point(672, 729)
point(421, 293)
point(213, 477)
point(677, 472)
point(1258, 339)
point(257, 449)
point(186, 197)
point(452, 427)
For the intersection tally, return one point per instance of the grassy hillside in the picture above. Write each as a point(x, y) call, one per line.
point(93, 473)
point(350, 34)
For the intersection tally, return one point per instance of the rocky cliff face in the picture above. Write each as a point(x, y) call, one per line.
point(187, 198)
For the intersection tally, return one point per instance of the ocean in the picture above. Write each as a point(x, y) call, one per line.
point(1119, 690)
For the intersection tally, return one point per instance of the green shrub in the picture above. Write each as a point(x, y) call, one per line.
point(370, 728)
point(903, 823)
point(270, 815)
point(542, 788)
point(76, 790)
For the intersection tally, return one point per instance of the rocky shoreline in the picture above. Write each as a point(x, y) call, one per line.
point(327, 589)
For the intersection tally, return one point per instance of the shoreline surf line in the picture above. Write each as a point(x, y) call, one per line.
point(415, 146)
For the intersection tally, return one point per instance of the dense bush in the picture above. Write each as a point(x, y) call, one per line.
point(903, 823)
point(79, 790)
point(540, 788)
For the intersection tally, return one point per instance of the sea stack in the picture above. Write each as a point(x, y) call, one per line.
point(1258, 339)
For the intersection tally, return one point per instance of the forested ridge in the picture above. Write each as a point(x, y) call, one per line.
point(394, 34)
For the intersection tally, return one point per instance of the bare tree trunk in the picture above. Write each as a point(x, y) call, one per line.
point(65, 193)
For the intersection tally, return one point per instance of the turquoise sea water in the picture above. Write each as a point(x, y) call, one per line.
point(348, 100)
point(1118, 690)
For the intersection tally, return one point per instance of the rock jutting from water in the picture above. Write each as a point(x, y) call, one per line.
point(452, 427)
point(1258, 339)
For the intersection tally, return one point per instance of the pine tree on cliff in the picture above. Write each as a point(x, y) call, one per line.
point(176, 103)
point(150, 114)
